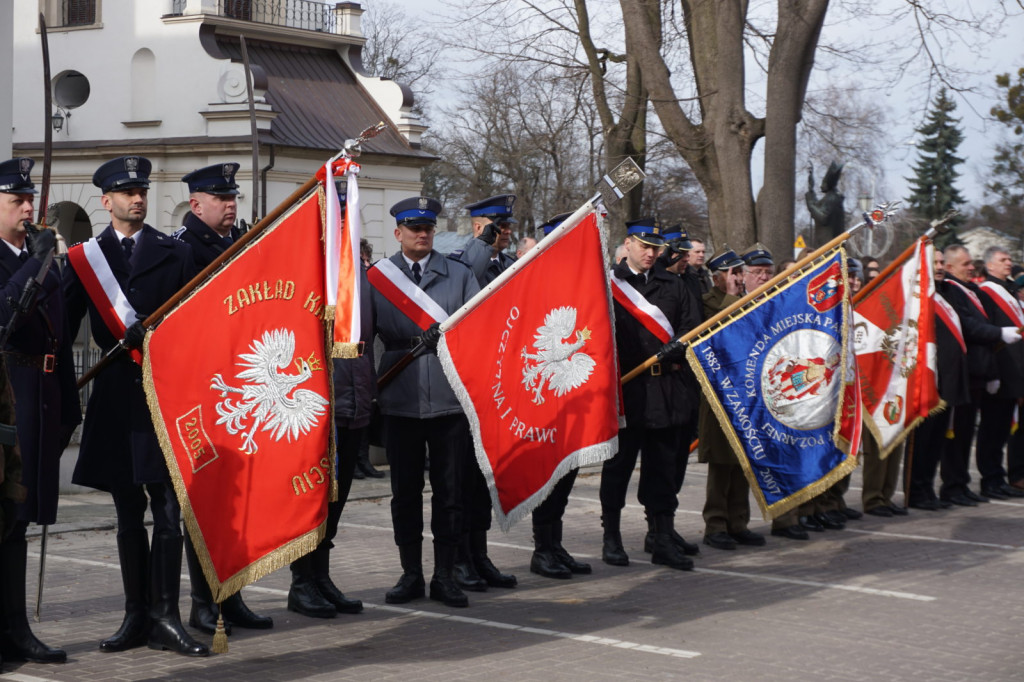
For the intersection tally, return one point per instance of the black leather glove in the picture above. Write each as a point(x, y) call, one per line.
point(135, 335)
point(431, 336)
point(41, 243)
point(672, 351)
point(489, 234)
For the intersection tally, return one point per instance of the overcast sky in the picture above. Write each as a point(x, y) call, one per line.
point(1004, 54)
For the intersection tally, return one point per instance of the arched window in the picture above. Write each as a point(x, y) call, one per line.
point(144, 86)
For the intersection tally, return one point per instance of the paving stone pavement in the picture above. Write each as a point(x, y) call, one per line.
point(932, 596)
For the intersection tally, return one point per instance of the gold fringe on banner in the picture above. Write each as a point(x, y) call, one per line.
point(849, 462)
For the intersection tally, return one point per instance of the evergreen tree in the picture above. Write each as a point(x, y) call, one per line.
point(932, 188)
point(1007, 170)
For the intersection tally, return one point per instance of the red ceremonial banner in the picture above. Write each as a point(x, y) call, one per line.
point(535, 369)
point(238, 384)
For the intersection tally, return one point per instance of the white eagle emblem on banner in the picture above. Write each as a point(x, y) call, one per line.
point(269, 397)
point(556, 362)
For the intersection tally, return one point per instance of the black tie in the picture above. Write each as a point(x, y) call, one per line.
point(128, 244)
point(23, 256)
point(416, 272)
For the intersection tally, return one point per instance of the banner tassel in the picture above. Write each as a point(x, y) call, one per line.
point(220, 637)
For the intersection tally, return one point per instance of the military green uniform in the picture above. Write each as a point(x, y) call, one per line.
point(880, 475)
point(727, 507)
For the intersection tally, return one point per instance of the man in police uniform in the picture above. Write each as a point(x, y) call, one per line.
point(486, 257)
point(420, 410)
point(550, 559)
point(727, 505)
point(120, 452)
point(209, 230)
point(652, 417)
point(492, 232)
point(998, 402)
point(42, 374)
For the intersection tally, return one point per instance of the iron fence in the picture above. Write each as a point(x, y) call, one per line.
point(305, 14)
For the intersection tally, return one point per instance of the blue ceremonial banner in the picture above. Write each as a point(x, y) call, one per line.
point(779, 376)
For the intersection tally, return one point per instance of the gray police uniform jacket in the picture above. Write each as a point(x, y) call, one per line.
point(477, 255)
point(420, 390)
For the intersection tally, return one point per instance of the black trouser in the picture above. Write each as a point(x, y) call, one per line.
point(407, 442)
point(929, 444)
point(1015, 456)
point(658, 449)
point(993, 432)
point(130, 504)
point(347, 447)
point(551, 510)
point(476, 500)
point(956, 456)
point(687, 433)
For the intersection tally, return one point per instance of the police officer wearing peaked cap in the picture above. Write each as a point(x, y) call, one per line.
point(652, 421)
point(209, 229)
point(120, 452)
point(485, 255)
point(45, 400)
point(554, 223)
point(420, 409)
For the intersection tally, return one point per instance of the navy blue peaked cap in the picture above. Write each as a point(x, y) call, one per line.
point(124, 172)
point(724, 260)
point(417, 211)
point(498, 206)
point(216, 179)
point(16, 176)
point(552, 224)
point(647, 230)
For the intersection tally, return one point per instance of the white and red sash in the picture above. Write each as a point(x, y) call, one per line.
point(1008, 304)
point(949, 318)
point(973, 297)
point(103, 289)
point(646, 313)
point(402, 292)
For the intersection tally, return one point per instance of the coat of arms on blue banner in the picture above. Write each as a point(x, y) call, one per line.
point(779, 378)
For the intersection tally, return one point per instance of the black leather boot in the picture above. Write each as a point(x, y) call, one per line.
point(166, 631)
point(321, 559)
point(442, 585)
point(303, 597)
point(665, 551)
point(545, 561)
point(411, 585)
point(203, 614)
point(17, 642)
point(235, 611)
point(133, 552)
point(484, 566)
point(363, 464)
point(612, 551)
point(578, 567)
point(689, 548)
point(464, 570)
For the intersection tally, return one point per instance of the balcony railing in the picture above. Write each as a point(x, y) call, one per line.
point(304, 14)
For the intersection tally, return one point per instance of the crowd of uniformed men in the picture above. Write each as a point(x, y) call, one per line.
point(981, 371)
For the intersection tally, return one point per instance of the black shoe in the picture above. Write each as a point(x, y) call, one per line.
point(464, 570)
point(442, 587)
point(357, 474)
point(305, 599)
point(204, 612)
point(945, 504)
point(203, 617)
point(17, 641)
point(1010, 491)
point(811, 523)
point(364, 467)
point(898, 510)
point(961, 500)
point(546, 563)
point(490, 573)
point(880, 511)
point(748, 538)
point(23, 645)
point(994, 494)
point(444, 590)
point(837, 516)
point(166, 631)
point(575, 567)
point(971, 495)
point(927, 505)
point(851, 513)
point(829, 522)
point(719, 540)
point(666, 551)
point(791, 532)
point(336, 597)
point(410, 586)
point(237, 613)
point(612, 551)
point(689, 548)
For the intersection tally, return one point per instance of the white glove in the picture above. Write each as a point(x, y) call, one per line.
point(1010, 335)
point(992, 387)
